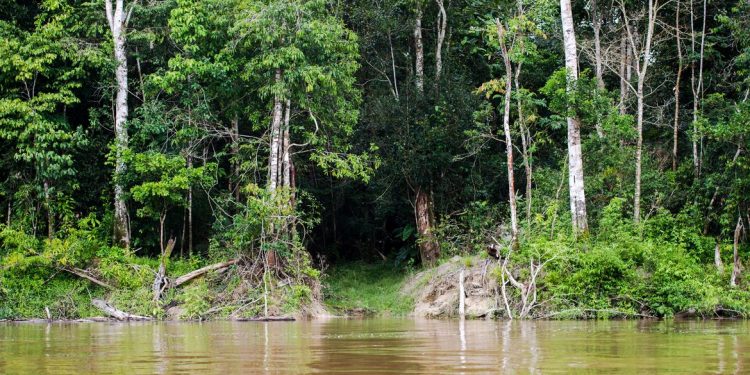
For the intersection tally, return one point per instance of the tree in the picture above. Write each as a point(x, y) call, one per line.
point(118, 19)
point(641, 46)
point(302, 64)
point(575, 157)
point(166, 181)
point(40, 71)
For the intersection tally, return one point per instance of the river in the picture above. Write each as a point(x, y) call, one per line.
point(376, 346)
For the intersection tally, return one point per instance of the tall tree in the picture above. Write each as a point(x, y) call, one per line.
point(575, 157)
point(118, 19)
point(501, 37)
point(641, 45)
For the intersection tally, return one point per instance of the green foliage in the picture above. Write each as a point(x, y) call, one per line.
point(195, 300)
point(372, 288)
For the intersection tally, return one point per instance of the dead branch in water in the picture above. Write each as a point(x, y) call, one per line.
point(115, 313)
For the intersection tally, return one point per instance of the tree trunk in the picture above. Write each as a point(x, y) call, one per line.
point(418, 51)
point(286, 157)
point(525, 146)
point(638, 153)
point(117, 24)
point(624, 76)
point(697, 88)
point(235, 150)
point(575, 157)
point(642, 64)
point(190, 211)
point(429, 249)
point(736, 258)
point(597, 26)
point(393, 68)
point(50, 213)
point(275, 140)
point(677, 87)
point(506, 130)
point(442, 26)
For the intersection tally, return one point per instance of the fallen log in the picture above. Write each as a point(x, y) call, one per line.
point(115, 313)
point(201, 271)
point(266, 319)
point(84, 274)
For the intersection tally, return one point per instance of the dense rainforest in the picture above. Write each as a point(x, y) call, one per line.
point(239, 158)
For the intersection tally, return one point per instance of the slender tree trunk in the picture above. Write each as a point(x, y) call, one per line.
point(162, 219)
point(677, 86)
point(418, 51)
point(234, 181)
point(286, 157)
point(696, 86)
point(117, 24)
point(623, 74)
point(575, 157)
point(525, 146)
point(273, 159)
point(393, 68)
point(597, 26)
point(700, 80)
point(190, 210)
point(506, 131)
point(50, 213)
point(736, 258)
point(642, 64)
point(442, 26)
point(638, 153)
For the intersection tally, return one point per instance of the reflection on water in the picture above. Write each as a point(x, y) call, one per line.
point(376, 346)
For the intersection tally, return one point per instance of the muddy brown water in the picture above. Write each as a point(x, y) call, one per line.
point(377, 346)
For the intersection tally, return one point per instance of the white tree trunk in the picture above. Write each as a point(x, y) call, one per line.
point(419, 52)
point(117, 24)
point(575, 157)
point(442, 26)
point(642, 64)
point(286, 157)
point(597, 26)
point(506, 130)
point(275, 140)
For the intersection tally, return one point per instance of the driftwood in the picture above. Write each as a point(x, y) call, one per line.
point(201, 271)
point(267, 319)
point(115, 313)
point(86, 275)
point(160, 281)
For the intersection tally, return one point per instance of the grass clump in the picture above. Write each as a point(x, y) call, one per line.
point(368, 288)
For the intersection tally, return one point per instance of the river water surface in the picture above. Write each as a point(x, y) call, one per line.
point(377, 346)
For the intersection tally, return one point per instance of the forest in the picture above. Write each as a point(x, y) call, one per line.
point(235, 159)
